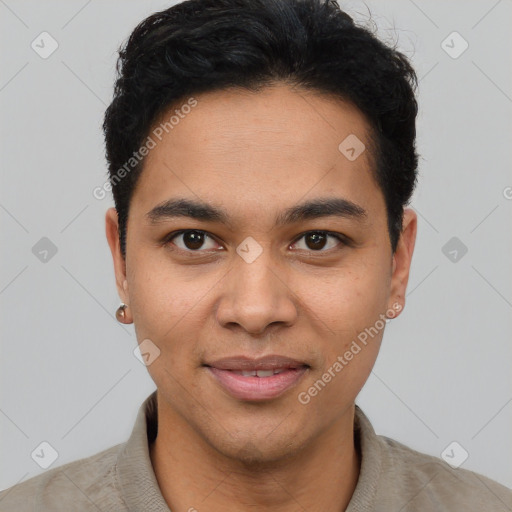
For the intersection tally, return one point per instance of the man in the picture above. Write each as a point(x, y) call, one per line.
point(261, 154)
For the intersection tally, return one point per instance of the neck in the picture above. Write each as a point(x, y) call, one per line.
point(193, 476)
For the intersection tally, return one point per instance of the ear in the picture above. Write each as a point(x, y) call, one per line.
point(112, 232)
point(402, 261)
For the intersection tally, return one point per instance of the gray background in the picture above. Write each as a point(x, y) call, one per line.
point(68, 374)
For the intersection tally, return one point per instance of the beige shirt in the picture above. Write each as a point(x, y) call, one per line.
point(393, 478)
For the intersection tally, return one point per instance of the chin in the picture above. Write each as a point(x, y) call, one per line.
point(259, 453)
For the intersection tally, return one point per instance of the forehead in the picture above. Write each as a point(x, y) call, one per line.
point(259, 152)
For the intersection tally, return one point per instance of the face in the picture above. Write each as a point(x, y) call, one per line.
point(254, 272)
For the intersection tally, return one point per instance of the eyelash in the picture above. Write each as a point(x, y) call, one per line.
point(341, 238)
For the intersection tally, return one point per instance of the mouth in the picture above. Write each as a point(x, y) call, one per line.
point(256, 379)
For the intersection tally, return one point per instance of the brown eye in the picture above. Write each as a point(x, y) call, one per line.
point(318, 240)
point(315, 240)
point(191, 240)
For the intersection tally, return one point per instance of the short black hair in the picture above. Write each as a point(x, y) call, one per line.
point(201, 46)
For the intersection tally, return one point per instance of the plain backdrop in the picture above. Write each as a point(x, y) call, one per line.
point(68, 374)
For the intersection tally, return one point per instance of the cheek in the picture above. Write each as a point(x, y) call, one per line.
point(348, 313)
point(347, 300)
point(172, 309)
point(159, 295)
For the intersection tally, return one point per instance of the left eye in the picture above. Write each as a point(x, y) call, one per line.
point(317, 240)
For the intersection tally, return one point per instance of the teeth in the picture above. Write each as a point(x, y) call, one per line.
point(258, 373)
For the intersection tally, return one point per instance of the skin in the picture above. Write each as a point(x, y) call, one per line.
point(256, 154)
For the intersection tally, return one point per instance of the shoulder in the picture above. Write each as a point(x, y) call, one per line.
point(424, 482)
point(84, 484)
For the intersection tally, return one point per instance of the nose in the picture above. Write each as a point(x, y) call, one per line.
point(255, 296)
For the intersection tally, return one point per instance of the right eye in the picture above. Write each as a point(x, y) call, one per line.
point(190, 240)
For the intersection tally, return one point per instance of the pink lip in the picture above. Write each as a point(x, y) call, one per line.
point(257, 388)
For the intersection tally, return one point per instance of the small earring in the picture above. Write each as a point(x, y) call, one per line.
point(121, 312)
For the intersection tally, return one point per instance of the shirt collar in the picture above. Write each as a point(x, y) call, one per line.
point(135, 473)
point(139, 485)
point(370, 450)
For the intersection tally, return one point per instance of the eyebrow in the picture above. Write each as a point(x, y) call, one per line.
point(313, 209)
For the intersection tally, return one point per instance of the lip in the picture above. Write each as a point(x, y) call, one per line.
point(254, 388)
point(269, 362)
